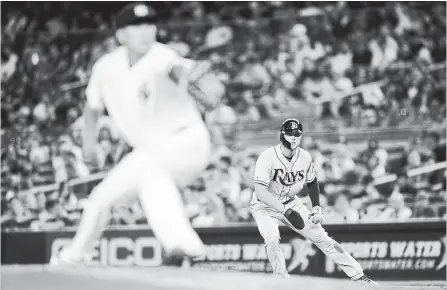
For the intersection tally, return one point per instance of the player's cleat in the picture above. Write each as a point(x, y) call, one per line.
point(61, 259)
point(186, 263)
point(366, 280)
point(283, 274)
point(181, 258)
point(58, 261)
point(181, 253)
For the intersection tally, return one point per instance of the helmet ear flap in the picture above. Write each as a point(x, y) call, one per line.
point(284, 141)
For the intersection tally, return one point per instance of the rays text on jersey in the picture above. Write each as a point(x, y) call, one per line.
point(287, 178)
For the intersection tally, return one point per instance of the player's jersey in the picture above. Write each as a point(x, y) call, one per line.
point(144, 103)
point(284, 178)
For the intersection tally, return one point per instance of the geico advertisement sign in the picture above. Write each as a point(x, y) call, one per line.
point(120, 251)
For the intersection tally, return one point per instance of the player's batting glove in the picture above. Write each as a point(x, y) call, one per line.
point(294, 218)
point(316, 216)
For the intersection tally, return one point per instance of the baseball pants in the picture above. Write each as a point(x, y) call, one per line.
point(268, 220)
point(154, 175)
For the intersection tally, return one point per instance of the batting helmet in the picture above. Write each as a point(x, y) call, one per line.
point(291, 127)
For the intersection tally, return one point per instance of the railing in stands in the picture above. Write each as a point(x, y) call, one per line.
point(381, 180)
point(412, 172)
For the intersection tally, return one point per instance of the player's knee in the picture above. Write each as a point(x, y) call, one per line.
point(98, 199)
point(272, 242)
point(338, 248)
point(320, 236)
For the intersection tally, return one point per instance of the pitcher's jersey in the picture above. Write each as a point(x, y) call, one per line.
point(143, 102)
point(284, 178)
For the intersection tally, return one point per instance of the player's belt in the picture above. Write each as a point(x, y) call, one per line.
point(289, 201)
point(286, 202)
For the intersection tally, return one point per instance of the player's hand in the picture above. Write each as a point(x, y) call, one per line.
point(294, 218)
point(204, 86)
point(316, 216)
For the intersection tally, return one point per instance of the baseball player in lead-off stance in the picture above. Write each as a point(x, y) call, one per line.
point(151, 95)
point(280, 174)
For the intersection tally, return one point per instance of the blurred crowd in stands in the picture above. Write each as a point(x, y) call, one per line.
point(378, 66)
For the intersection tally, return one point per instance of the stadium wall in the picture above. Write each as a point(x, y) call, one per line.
point(406, 251)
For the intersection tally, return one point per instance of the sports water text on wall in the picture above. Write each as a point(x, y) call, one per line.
point(253, 257)
point(394, 255)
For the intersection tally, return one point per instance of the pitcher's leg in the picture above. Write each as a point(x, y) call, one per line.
point(118, 186)
point(164, 209)
point(173, 163)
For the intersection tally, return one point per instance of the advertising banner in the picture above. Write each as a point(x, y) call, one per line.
point(415, 251)
point(412, 251)
point(247, 253)
point(118, 248)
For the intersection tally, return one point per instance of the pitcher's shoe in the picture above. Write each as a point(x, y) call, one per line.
point(283, 274)
point(62, 259)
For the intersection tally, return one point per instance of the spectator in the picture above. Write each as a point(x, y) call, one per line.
point(247, 170)
point(222, 121)
point(69, 163)
point(9, 63)
point(53, 217)
point(17, 215)
point(343, 154)
point(342, 60)
point(374, 149)
point(230, 179)
point(367, 194)
point(246, 108)
point(376, 170)
point(404, 186)
point(179, 46)
point(283, 68)
point(269, 107)
point(414, 155)
point(44, 111)
point(422, 208)
point(41, 159)
point(332, 170)
point(106, 149)
point(209, 214)
point(384, 49)
point(253, 74)
point(342, 212)
point(432, 141)
point(71, 203)
point(397, 210)
point(318, 158)
point(122, 215)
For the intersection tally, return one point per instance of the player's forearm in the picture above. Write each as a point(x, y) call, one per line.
point(314, 192)
point(197, 92)
point(266, 197)
point(89, 131)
